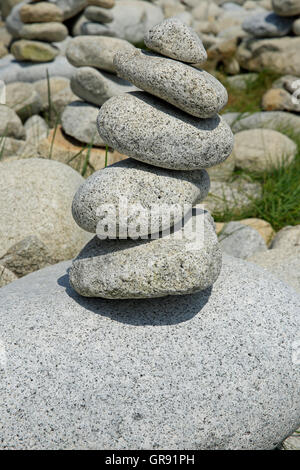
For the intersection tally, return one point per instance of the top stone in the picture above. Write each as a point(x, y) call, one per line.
point(176, 40)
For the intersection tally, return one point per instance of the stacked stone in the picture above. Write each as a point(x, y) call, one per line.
point(172, 132)
point(94, 82)
point(40, 25)
point(98, 12)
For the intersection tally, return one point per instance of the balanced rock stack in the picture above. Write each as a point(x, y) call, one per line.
point(94, 82)
point(98, 12)
point(172, 134)
point(36, 26)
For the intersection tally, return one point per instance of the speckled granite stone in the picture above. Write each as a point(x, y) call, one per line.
point(176, 40)
point(150, 130)
point(212, 370)
point(171, 264)
point(140, 184)
point(194, 91)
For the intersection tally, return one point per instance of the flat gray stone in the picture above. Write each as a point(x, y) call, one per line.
point(98, 14)
point(132, 18)
point(174, 39)
point(79, 121)
point(95, 51)
point(283, 262)
point(277, 120)
point(97, 87)
point(263, 149)
point(241, 82)
point(267, 25)
point(179, 263)
point(287, 237)
point(194, 91)
point(35, 199)
point(231, 345)
point(142, 186)
point(50, 32)
point(241, 241)
point(154, 132)
point(10, 123)
point(13, 71)
point(13, 21)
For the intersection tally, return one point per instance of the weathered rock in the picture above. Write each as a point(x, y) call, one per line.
point(131, 19)
point(12, 71)
point(169, 265)
point(230, 345)
point(279, 55)
point(224, 196)
point(292, 442)
point(277, 120)
point(287, 237)
point(194, 91)
point(240, 240)
point(279, 100)
point(10, 123)
point(26, 256)
point(6, 6)
point(290, 83)
point(174, 39)
point(6, 276)
point(262, 149)
point(97, 87)
point(42, 12)
point(144, 188)
point(3, 50)
point(161, 135)
point(50, 32)
point(23, 99)
point(286, 7)
point(34, 51)
point(267, 25)
point(35, 199)
point(95, 51)
point(98, 14)
point(283, 262)
point(79, 121)
point(67, 150)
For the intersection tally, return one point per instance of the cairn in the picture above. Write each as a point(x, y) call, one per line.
point(37, 28)
point(141, 208)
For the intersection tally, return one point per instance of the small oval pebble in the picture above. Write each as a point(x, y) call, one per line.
point(194, 91)
point(176, 40)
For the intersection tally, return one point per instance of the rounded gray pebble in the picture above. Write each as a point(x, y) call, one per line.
point(150, 130)
point(174, 39)
point(173, 264)
point(194, 91)
point(140, 184)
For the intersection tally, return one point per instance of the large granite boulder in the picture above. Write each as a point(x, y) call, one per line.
point(213, 370)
